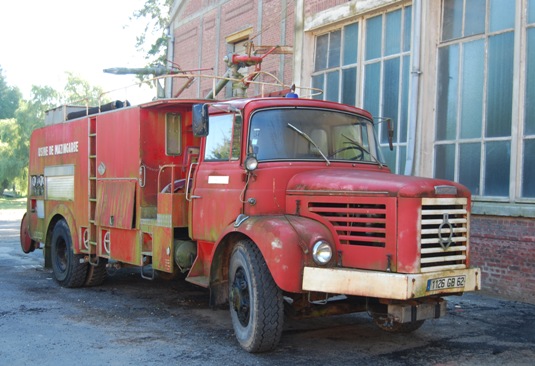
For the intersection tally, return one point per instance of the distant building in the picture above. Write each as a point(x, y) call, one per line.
point(455, 75)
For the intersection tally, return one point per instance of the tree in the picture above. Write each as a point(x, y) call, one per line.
point(153, 40)
point(9, 98)
point(15, 133)
point(10, 163)
point(79, 91)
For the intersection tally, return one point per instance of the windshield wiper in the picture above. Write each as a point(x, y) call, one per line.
point(357, 144)
point(309, 140)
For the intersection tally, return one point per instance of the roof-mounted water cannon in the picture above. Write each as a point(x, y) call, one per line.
point(155, 72)
point(235, 62)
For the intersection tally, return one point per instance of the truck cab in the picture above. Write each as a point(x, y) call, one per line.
point(306, 189)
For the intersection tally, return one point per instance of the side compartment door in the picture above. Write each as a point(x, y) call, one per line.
point(219, 179)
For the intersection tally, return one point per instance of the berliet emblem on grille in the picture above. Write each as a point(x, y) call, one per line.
point(445, 236)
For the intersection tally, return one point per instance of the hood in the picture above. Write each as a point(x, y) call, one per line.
point(366, 182)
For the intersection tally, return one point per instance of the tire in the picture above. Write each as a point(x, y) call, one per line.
point(97, 274)
point(256, 303)
point(70, 270)
point(392, 326)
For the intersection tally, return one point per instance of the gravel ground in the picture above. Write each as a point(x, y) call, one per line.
point(130, 321)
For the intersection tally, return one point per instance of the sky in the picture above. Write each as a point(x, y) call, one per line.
point(40, 40)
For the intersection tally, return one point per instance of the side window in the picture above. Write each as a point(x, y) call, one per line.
point(224, 141)
point(172, 134)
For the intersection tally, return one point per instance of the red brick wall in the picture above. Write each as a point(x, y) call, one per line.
point(204, 35)
point(504, 249)
point(315, 6)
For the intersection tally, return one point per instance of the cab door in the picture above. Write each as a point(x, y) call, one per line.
point(218, 179)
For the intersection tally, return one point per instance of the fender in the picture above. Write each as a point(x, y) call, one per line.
point(285, 242)
point(63, 211)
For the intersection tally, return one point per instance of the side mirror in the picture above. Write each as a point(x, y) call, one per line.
point(390, 130)
point(390, 133)
point(200, 120)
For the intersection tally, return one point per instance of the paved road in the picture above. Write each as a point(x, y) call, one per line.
point(130, 321)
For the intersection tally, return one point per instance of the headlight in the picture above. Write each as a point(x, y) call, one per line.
point(322, 252)
point(251, 163)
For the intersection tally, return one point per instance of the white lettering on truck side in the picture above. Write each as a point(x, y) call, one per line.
point(59, 149)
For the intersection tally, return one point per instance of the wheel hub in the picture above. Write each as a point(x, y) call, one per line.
point(239, 297)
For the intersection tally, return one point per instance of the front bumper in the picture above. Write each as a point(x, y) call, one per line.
point(386, 285)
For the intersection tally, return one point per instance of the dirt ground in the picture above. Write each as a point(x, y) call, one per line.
point(131, 321)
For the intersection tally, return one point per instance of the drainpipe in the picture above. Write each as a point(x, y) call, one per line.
point(299, 36)
point(415, 85)
point(170, 58)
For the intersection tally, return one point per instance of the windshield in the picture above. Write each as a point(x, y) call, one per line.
point(312, 134)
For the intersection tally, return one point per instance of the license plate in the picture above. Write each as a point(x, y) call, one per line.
point(446, 283)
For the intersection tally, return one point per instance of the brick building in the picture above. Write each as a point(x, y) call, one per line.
point(455, 75)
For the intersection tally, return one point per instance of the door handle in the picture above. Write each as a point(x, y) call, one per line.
point(189, 196)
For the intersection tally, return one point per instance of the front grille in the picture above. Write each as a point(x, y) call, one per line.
point(444, 234)
point(355, 223)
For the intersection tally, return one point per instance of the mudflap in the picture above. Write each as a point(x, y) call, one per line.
point(26, 243)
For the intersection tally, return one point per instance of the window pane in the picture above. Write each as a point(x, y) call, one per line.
point(444, 161)
point(390, 157)
point(374, 34)
point(497, 165)
point(317, 82)
point(218, 141)
point(322, 45)
point(531, 11)
point(172, 134)
point(334, 49)
point(333, 85)
point(470, 166)
point(236, 137)
point(472, 89)
point(502, 14)
point(448, 76)
point(372, 78)
point(407, 29)
point(349, 86)
point(402, 159)
point(403, 117)
point(500, 85)
point(390, 94)
point(452, 23)
point(528, 172)
point(351, 43)
point(530, 82)
point(475, 17)
point(393, 32)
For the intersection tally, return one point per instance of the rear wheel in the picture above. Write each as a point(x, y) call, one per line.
point(97, 274)
point(256, 303)
point(70, 270)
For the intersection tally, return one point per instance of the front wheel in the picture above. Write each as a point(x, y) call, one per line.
point(256, 303)
point(70, 270)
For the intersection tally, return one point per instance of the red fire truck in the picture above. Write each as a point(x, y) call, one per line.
point(279, 206)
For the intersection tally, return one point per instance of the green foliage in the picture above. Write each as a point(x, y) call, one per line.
point(28, 115)
point(11, 165)
point(153, 40)
point(7, 203)
point(9, 98)
point(78, 91)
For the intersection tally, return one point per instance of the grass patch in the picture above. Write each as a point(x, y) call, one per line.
point(12, 203)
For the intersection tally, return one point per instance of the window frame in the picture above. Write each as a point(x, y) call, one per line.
point(401, 145)
point(508, 204)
